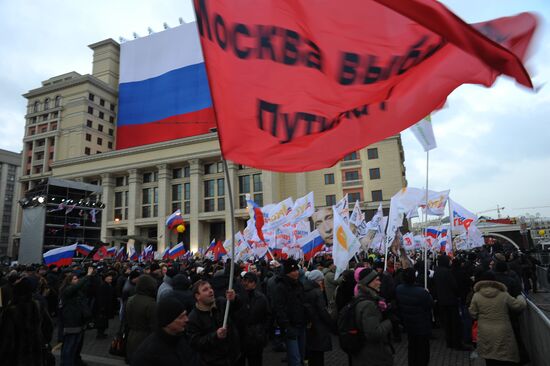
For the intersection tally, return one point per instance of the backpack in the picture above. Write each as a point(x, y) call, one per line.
point(350, 334)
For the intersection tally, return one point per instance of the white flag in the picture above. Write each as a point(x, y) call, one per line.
point(277, 215)
point(303, 208)
point(461, 219)
point(345, 246)
point(424, 133)
point(357, 215)
point(436, 202)
point(342, 207)
point(408, 242)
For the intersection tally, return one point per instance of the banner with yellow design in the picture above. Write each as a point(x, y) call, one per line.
point(346, 244)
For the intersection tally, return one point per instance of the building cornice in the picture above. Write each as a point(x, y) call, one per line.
point(105, 42)
point(145, 149)
point(68, 83)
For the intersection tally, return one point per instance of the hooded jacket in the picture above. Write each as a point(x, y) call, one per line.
point(490, 305)
point(140, 315)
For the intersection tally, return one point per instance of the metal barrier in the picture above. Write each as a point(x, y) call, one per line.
point(542, 278)
point(535, 333)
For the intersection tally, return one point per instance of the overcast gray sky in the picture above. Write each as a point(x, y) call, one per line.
point(493, 144)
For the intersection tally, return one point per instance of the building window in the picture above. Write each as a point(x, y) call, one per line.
point(58, 101)
point(102, 102)
point(214, 191)
point(98, 152)
point(110, 145)
point(51, 155)
point(372, 153)
point(186, 171)
point(351, 175)
point(377, 196)
point(121, 181)
point(47, 104)
point(87, 150)
point(113, 106)
point(149, 202)
point(121, 205)
point(100, 127)
point(89, 123)
point(244, 184)
point(101, 115)
point(352, 156)
point(91, 97)
point(111, 132)
point(177, 173)
point(354, 196)
point(186, 198)
point(150, 177)
point(36, 107)
point(374, 173)
point(329, 178)
point(176, 196)
point(40, 142)
point(330, 199)
point(99, 141)
point(111, 119)
point(90, 110)
point(210, 168)
point(256, 190)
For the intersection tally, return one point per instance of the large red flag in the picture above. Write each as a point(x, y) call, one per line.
point(298, 84)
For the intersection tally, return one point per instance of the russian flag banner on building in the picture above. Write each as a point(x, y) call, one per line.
point(60, 256)
point(299, 84)
point(163, 91)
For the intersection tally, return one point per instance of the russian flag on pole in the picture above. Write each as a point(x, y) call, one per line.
point(165, 253)
point(163, 91)
point(311, 244)
point(256, 215)
point(121, 254)
point(133, 254)
point(111, 252)
point(60, 256)
point(176, 251)
point(84, 249)
point(174, 219)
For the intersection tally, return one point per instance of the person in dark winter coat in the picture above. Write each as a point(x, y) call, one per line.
point(415, 307)
point(140, 313)
point(181, 288)
point(168, 345)
point(370, 316)
point(25, 329)
point(448, 295)
point(320, 322)
point(166, 285)
point(75, 313)
point(344, 291)
point(106, 304)
point(252, 320)
point(215, 345)
point(290, 312)
point(512, 283)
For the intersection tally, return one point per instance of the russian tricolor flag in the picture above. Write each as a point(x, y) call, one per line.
point(133, 255)
point(176, 251)
point(163, 90)
point(432, 233)
point(111, 252)
point(256, 215)
point(174, 219)
point(311, 244)
point(60, 256)
point(84, 249)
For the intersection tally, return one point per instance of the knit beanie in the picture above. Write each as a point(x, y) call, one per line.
point(366, 276)
point(315, 275)
point(290, 265)
point(168, 309)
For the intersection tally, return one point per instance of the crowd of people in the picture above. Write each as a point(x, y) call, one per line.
point(173, 313)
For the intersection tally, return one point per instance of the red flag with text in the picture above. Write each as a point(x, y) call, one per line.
point(298, 84)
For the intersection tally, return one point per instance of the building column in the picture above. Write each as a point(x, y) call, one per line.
point(108, 198)
point(270, 187)
point(301, 185)
point(196, 172)
point(232, 170)
point(163, 206)
point(134, 199)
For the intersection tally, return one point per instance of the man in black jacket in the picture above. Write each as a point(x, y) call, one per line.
point(252, 319)
point(290, 312)
point(415, 307)
point(216, 345)
point(448, 295)
point(168, 345)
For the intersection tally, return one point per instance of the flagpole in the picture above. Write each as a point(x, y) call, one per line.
point(453, 248)
point(232, 223)
point(426, 223)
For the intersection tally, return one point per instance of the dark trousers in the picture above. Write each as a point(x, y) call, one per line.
point(316, 358)
point(499, 363)
point(419, 350)
point(70, 350)
point(450, 320)
point(252, 356)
